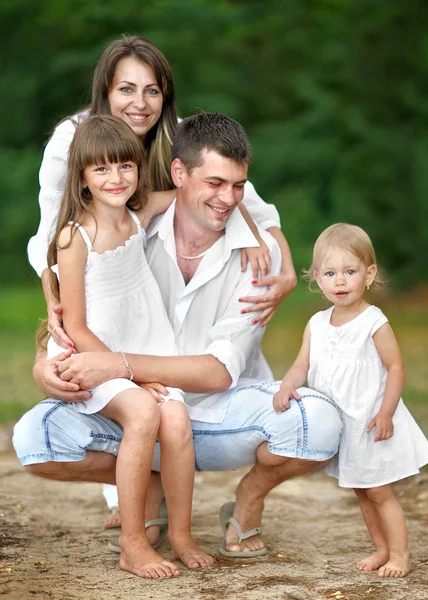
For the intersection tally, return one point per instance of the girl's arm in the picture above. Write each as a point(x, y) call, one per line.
point(71, 268)
point(389, 351)
point(295, 377)
point(158, 203)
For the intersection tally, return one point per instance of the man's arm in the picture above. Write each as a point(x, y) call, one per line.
point(199, 374)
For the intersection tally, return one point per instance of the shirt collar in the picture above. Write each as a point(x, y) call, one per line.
point(237, 234)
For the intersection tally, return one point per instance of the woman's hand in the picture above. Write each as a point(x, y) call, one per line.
point(47, 377)
point(259, 258)
point(55, 329)
point(279, 286)
point(157, 390)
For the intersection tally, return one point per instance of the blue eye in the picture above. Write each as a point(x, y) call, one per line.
point(125, 90)
point(152, 92)
point(329, 274)
point(350, 272)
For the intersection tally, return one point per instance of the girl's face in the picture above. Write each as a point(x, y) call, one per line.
point(343, 277)
point(111, 184)
point(135, 96)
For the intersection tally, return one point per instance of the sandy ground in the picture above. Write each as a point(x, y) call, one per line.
point(53, 547)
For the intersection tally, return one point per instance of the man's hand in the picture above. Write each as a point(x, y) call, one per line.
point(89, 369)
point(47, 376)
point(279, 287)
point(55, 329)
point(281, 400)
point(384, 427)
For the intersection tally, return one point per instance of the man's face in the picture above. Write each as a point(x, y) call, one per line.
point(212, 191)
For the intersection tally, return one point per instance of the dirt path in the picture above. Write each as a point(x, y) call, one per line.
point(52, 546)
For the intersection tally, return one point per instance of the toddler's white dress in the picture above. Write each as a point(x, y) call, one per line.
point(345, 366)
point(125, 310)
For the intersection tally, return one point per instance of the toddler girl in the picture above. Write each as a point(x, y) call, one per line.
point(349, 353)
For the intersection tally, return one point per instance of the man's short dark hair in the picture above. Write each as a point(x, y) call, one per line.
point(210, 131)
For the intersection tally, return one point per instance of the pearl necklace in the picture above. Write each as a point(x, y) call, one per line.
point(192, 257)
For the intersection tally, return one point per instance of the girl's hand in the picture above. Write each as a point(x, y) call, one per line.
point(281, 400)
point(55, 329)
point(259, 258)
point(384, 427)
point(280, 286)
point(156, 390)
point(54, 386)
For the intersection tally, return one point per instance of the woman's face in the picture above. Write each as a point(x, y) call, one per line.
point(135, 96)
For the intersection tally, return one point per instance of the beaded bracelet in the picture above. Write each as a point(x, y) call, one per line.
point(131, 372)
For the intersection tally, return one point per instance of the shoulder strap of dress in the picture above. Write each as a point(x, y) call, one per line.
point(135, 219)
point(84, 235)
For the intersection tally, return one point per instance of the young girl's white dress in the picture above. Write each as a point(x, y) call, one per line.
point(125, 310)
point(345, 366)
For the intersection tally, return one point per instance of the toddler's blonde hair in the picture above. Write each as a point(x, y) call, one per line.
point(343, 236)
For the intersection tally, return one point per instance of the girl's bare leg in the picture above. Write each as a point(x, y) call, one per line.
point(177, 473)
point(371, 519)
point(138, 414)
point(391, 518)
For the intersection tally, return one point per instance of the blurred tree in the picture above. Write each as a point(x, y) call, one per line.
point(332, 94)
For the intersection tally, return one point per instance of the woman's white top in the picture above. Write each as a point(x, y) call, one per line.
point(124, 309)
point(52, 177)
point(345, 366)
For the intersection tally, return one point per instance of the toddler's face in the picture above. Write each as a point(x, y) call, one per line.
point(343, 277)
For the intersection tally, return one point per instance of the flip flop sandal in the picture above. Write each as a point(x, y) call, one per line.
point(114, 544)
point(161, 522)
point(114, 521)
point(226, 517)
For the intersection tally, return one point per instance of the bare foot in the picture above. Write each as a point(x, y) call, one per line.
point(373, 562)
point(397, 566)
point(114, 520)
point(249, 515)
point(190, 554)
point(142, 560)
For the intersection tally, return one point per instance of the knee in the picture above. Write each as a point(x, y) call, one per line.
point(175, 424)
point(378, 495)
point(49, 470)
point(140, 415)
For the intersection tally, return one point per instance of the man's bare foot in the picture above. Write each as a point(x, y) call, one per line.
point(249, 515)
point(142, 560)
point(373, 562)
point(114, 520)
point(190, 554)
point(397, 566)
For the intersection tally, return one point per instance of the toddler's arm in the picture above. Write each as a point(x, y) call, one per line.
point(295, 377)
point(389, 351)
point(71, 268)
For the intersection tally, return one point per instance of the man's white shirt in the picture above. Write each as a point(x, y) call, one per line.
point(206, 313)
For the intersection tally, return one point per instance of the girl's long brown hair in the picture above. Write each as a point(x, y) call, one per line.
point(98, 140)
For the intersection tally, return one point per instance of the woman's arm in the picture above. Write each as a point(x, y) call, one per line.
point(259, 256)
point(295, 377)
point(158, 203)
point(71, 268)
point(390, 354)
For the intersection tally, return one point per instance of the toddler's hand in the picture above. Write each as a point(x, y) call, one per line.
point(384, 427)
point(281, 400)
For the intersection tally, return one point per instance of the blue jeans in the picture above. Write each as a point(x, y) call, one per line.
point(310, 429)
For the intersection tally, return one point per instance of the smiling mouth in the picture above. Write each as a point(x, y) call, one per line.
point(221, 212)
point(116, 190)
point(137, 118)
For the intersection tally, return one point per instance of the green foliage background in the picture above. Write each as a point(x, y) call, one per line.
point(333, 94)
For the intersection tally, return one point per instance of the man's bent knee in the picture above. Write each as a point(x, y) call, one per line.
point(51, 470)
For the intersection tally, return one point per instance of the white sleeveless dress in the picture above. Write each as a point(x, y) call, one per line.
point(345, 366)
point(125, 310)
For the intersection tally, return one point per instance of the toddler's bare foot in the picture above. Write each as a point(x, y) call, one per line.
point(139, 558)
point(397, 566)
point(190, 554)
point(373, 562)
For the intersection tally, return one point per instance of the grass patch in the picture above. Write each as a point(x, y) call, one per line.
point(20, 309)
